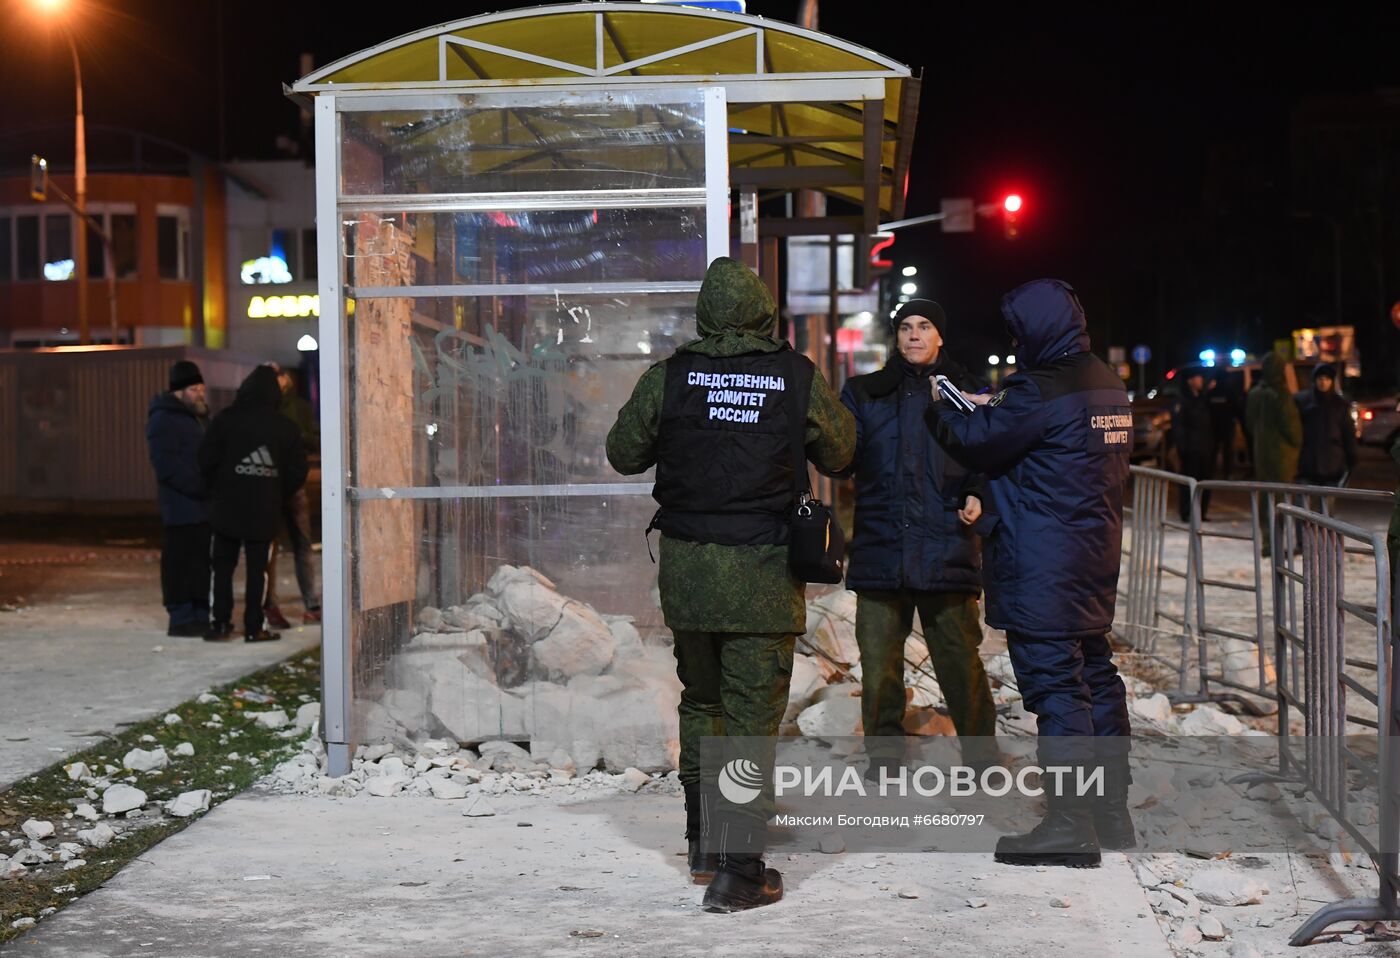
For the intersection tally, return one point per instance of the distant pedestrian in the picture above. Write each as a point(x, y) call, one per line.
point(1329, 436)
point(1193, 435)
point(1226, 417)
point(253, 461)
point(1276, 431)
point(175, 424)
point(296, 514)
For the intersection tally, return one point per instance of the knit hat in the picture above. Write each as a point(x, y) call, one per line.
point(183, 374)
point(926, 308)
point(1324, 369)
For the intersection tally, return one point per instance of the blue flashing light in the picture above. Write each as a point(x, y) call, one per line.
point(1237, 357)
point(1208, 357)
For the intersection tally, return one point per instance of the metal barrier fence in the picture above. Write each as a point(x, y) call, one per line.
point(1315, 676)
point(1266, 499)
point(1145, 552)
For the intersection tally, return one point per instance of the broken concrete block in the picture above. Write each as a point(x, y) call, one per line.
point(84, 810)
point(1205, 720)
point(77, 771)
point(478, 807)
point(140, 760)
point(206, 698)
point(274, 719)
point(307, 715)
point(1156, 709)
point(37, 830)
point(1225, 886)
point(634, 778)
point(1211, 928)
point(908, 891)
point(430, 619)
point(98, 836)
point(834, 718)
point(832, 843)
point(172, 719)
point(184, 749)
point(122, 798)
point(445, 788)
point(9, 868)
point(579, 643)
point(384, 786)
point(1264, 792)
point(189, 803)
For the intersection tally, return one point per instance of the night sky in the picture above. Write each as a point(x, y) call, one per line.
point(1106, 123)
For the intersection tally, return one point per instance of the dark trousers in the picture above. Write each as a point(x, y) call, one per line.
point(184, 573)
point(1198, 465)
point(734, 685)
point(296, 516)
point(225, 561)
point(953, 633)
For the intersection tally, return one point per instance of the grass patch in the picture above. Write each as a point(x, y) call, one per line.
point(51, 796)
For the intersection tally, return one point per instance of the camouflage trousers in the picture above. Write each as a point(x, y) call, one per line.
point(735, 687)
point(952, 632)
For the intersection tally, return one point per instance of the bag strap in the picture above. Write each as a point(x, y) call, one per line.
point(797, 425)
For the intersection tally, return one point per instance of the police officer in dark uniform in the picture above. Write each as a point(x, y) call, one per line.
point(717, 419)
point(1054, 444)
point(1193, 435)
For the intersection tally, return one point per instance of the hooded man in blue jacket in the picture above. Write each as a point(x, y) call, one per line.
point(913, 547)
point(1054, 444)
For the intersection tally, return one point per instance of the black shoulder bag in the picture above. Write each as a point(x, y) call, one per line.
point(816, 543)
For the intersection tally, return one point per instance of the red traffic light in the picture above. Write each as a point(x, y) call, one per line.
point(1012, 203)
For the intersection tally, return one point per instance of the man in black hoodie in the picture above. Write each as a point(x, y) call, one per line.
point(252, 460)
point(174, 429)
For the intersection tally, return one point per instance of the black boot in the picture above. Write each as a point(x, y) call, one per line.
point(742, 882)
point(1064, 837)
point(1112, 821)
point(699, 816)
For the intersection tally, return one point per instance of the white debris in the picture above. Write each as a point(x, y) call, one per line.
point(976, 903)
point(383, 786)
point(147, 738)
point(122, 798)
point(98, 836)
point(9, 868)
point(1354, 939)
point(1155, 708)
point(28, 856)
point(635, 778)
point(1264, 792)
point(445, 788)
point(307, 715)
point(206, 698)
point(140, 760)
point(1060, 903)
point(835, 717)
point(276, 718)
point(22, 923)
point(1184, 937)
point(37, 830)
point(1244, 949)
point(832, 843)
point(1205, 720)
point(172, 719)
point(189, 803)
point(75, 863)
point(84, 810)
point(391, 766)
point(1225, 886)
point(1211, 928)
point(184, 749)
point(77, 771)
point(908, 891)
point(478, 807)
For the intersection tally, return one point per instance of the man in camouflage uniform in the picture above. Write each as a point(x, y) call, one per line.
point(725, 485)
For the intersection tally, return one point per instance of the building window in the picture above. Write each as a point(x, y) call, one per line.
point(27, 245)
point(96, 249)
point(58, 247)
point(308, 254)
point(123, 227)
point(7, 251)
point(173, 247)
point(269, 256)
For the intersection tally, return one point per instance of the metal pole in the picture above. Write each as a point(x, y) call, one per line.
point(80, 176)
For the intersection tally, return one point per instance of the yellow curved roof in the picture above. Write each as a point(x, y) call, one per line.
point(792, 140)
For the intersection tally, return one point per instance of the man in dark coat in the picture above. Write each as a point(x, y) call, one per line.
point(1226, 417)
point(174, 428)
point(913, 546)
point(296, 514)
point(253, 461)
point(1054, 444)
point(1329, 437)
point(1193, 435)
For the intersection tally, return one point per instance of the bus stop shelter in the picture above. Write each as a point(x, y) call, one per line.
point(515, 213)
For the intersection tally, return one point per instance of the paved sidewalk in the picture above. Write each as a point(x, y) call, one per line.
point(88, 652)
point(414, 877)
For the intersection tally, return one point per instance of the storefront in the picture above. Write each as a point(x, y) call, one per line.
point(526, 204)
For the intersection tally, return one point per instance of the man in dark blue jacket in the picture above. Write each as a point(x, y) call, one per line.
point(1054, 444)
point(174, 428)
point(913, 547)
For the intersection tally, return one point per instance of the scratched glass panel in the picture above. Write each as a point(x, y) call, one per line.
point(516, 247)
point(545, 141)
point(517, 599)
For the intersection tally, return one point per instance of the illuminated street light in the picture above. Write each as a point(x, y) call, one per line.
point(1011, 360)
point(993, 360)
point(307, 344)
point(911, 271)
point(909, 289)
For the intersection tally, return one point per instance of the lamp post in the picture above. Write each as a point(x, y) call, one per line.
point(79, 176)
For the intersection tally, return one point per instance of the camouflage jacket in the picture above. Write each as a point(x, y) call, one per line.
point(716, 588)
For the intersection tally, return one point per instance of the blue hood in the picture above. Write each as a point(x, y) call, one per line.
point(1045, 318)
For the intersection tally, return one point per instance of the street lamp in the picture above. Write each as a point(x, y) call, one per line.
point(79, 172)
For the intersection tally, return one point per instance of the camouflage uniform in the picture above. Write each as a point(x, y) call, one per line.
point(735, 611)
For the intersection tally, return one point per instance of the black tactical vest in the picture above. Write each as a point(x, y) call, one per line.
point(724, 471)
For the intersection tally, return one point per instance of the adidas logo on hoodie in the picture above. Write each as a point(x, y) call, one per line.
point(257, 463)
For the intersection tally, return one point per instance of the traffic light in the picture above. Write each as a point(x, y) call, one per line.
point(1011, 206)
